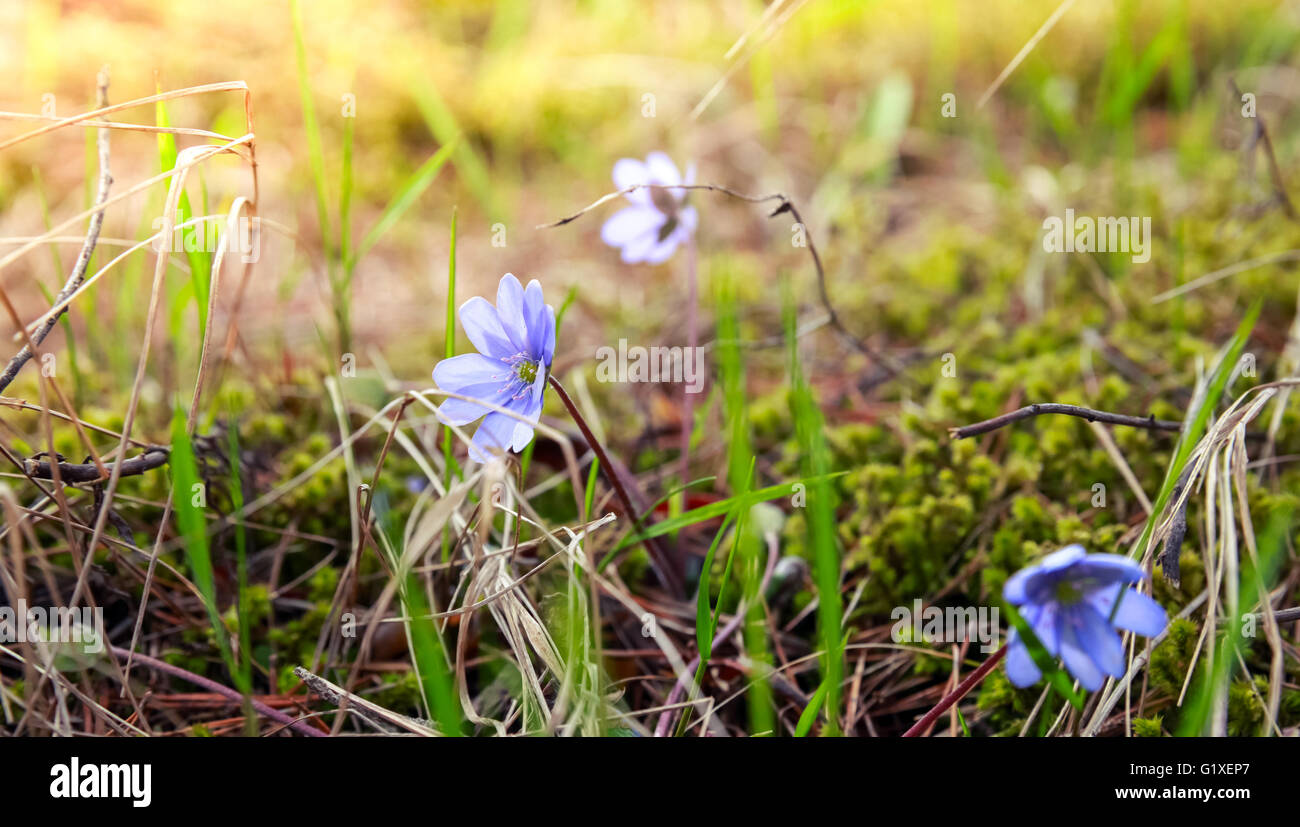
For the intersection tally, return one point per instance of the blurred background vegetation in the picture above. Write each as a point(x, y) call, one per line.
point(840, 109)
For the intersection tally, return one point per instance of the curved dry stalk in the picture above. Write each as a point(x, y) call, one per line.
point(668, 566)
point(125, 127)
point(134, 246)
point(200, 154)
point(59, 123)
point(23, 405)
point(239, 204)
point(185, 160)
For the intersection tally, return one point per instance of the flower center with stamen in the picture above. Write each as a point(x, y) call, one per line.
point(527, 371)
point(1067, 592)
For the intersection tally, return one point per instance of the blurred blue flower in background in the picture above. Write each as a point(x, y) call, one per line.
point(658, 220)
point(516, 343)
point(1068, 599)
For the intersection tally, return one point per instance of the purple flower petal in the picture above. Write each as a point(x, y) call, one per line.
point(629, 172)
point(1098, 639)
point(483, 327)
point(510, 308)
point(1137, 612)
point(523, 432)
point(662, 250)
point(687, 219)
point(1079, 660)
point(636, 250)
point(1045, 621)
point(460, 412)
point(492, 437)
point(467, 370)
point(662, 170)
point(1105, 569)
point(535, 318)
point(1015, 590)
point(535, 396)
point(1021, 669)
point(1063, 559)
point(630, 223)
point(548, 338)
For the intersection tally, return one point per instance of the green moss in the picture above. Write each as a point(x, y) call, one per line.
point(1245, 708)
point(1173, 657)
point(1152, 727)
point(1007, 707)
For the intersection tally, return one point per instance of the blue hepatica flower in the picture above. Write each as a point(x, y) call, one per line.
point(658, 219)
point(1068, 599)
point(516, 343)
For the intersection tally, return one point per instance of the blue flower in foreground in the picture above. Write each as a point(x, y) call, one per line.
point(516, 343)
point(658, 219)
point(1067, 599)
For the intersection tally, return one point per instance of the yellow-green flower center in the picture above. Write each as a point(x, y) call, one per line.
point(1067, 592)
point(527, 371)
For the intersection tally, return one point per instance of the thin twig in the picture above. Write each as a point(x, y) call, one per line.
point(1283, 616)
point(155, 457)
point(1030, 411)
point(786, 206)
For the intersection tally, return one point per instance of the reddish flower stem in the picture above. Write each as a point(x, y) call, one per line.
point(928, 719)
point(671, 575)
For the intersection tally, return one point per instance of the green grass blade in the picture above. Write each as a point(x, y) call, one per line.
point(311, 127)
point(749, 548)
point(450, 469)
point(446, 131)
point(717, 509)
point(820, 506)
point(194, 532)
point(345, 190)
point(809, 715)
point(413, 187)
point(431, 661)
point(589, 493)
